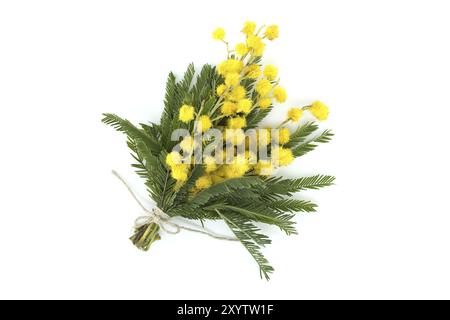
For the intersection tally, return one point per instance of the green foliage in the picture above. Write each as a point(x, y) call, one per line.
point(256, 116)
point(242, 203)
point(301, 134)
point(304, 148)
point(251, 238)
point(132, 132)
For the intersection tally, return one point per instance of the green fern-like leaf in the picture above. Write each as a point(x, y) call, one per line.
point(304, 148)
point(264, 214)
point(292, 205)
point(131, 131)
point(301, 134)
point(256, 116)
point(223, 189)
point(278, 187)
point(249, 236)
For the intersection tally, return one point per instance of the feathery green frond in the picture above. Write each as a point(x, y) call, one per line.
point(223, 189)
point(275, 187)
point(249, 236)
point(304, 148)
point(301, 134)
point(292, 205)
point(256, 116)
point(263, 214)
point(125, 126)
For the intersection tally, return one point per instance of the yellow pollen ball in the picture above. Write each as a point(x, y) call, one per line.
point(294, 114)
point(205, 123)
point(228, 108)
point(186, 113)
point(284, 136)
point(244, 106)
point(203, 182)
point(221, 89)
point(284, 156)
point(230, 66)
point(271, 32)
point(180, 172)
point(253, 71)
point(256, 45)
point(279, 94)
point(237, 168)
point(265, 103)
point(232, 79)
point(249, 28)
point(319, 110)
point(210, 163)
point(237, 123)
point(241, 49)
point(218, 34)
point(173, 158)
point(237, 93)
point(263, 87)
point(270, 72)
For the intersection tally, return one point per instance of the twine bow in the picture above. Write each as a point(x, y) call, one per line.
point(159, 217)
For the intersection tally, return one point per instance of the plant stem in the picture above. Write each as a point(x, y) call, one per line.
point(145, 235)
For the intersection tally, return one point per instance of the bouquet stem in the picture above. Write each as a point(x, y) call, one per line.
point(145, 235)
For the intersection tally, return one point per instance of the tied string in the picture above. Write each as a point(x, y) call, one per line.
point(159, 217)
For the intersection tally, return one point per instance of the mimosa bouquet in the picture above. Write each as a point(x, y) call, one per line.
point(209, 160)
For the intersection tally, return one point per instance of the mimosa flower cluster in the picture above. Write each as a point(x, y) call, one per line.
point(209, 158)
point(245, 87)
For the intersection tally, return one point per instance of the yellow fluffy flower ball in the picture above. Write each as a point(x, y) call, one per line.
point(270, 72)
point(205, 123)
point(284, 135)
point(221, 89)
point(218, 34)
point(252, 71)
point(180, 172)
point(237, 168)
point(283, 155)
point(279, 93)
point(265, 103)
point(249, 28)
point(237, 123)
point(210, 163)
point(228, 108)
point(241, 49)
point(237, 93)
point(232, 79)
point(186, 113)
point(203, 182)
point(294, 114)
point(244, 106)
point(263, 87)
point(264, 168)
point(230, 66)
point(271, 32)
point(173, 158)
point(256, 45)
point(319, 110)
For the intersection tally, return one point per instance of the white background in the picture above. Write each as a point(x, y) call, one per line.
point(383, 67)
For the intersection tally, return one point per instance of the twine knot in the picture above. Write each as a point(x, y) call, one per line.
point(162, 219)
